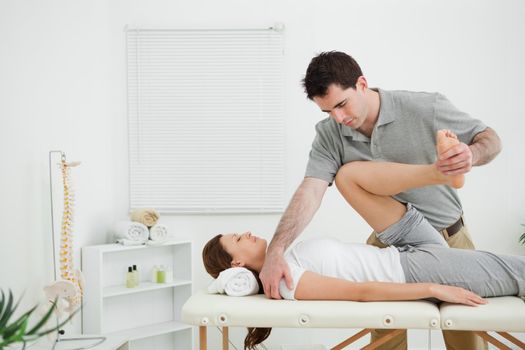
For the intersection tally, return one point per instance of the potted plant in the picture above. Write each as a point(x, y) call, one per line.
point(19, 331)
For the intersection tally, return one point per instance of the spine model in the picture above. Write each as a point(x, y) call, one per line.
point(67, 270)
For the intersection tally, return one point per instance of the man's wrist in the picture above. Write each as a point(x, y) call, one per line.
point(275, 250)
point(475, 154)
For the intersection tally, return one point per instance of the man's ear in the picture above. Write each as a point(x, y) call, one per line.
point(361, 83)
point(237, 263)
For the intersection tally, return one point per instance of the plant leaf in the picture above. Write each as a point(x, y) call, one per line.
point(8, 312)
point(13, 327)
point(54, 329)
point(44, 319)
point(23, 328)
point(2, 303)
point(522, 239)
point(17, 331)
point(18, 336)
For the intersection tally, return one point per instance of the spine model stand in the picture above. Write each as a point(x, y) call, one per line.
point(67, 290)
point(67, 270)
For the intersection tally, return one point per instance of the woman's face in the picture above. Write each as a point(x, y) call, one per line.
point(246, 249)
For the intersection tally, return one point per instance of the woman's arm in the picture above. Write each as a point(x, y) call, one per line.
point(312, 286)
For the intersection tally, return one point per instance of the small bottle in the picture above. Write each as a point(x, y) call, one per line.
point(161, 274)
point(154, 274)
point(169, 275)
point(136, 275)
point(129, 278)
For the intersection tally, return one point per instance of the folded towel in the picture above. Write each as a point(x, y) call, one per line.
point(145, 216)
point(130, 233)
point(235, 281)
point(158, 233)
point(128, 242)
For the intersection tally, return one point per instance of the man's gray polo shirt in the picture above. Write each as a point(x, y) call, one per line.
point(405, 132)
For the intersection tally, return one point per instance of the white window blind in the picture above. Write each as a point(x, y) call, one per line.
point(206, 120)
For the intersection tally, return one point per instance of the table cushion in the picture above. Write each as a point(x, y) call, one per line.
point(257, 311)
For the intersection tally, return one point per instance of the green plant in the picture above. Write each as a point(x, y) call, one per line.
point(18, 331)
point(522, 238)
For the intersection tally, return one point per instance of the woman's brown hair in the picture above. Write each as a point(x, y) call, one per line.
point(216, 259)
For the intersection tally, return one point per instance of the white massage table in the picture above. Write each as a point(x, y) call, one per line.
point(504, 314)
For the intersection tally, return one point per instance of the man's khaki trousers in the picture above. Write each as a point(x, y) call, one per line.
point(454, 340)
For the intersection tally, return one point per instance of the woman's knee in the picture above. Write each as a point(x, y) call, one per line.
point(346, 173)
point(345, 178)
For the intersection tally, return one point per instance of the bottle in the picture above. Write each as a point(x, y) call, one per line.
point(154, 274)
point(136, 278)
point(169, 275)
point(161, 274)
point(129, 278)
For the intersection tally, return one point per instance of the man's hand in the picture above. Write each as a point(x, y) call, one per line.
point(456, 160)
point(456, 295)
point(460, 158)
point(274, 268)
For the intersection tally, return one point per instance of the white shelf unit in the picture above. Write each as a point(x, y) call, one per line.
point(146, 316)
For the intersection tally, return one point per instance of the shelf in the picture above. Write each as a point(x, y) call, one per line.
point(145, 314)
point(115, 247)
point(143, 287)
point(150, 331)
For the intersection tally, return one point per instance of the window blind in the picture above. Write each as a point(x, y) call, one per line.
point(206, 120)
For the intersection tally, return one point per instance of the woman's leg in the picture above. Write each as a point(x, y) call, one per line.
point(389, 179)
point(484, 273)
point(368, 185)
point(378, 211)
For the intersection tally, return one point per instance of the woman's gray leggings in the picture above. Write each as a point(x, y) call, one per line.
point(426, 257)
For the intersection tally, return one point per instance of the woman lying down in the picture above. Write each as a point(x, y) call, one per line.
point(417, 263)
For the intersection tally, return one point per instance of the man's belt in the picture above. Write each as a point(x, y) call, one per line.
point(453, 229)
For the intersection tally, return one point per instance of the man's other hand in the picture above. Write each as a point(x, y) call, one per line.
point(274, 268)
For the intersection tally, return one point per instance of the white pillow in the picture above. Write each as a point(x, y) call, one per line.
point(235, 281)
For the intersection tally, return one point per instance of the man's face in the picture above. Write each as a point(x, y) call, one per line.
point(347, 107)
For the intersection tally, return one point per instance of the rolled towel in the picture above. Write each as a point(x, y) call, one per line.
point(130, 233)
point(145, 216)
point(158, 233)
point(235, 281)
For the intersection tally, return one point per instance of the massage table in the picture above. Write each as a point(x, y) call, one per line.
point(502, 314)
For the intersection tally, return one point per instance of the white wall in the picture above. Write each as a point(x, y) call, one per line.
point(62, 86)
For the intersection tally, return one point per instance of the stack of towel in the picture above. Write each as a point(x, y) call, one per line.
point(148, 217)
point(130, 233)
point(235, 281)
point(142, 229)
point(158, 234)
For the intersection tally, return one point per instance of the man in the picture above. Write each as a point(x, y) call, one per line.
point(375, 124)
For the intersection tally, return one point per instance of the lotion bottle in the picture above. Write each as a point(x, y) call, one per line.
point(161, 275)
point(154, 274)
point(129, 278)
point(136, 278)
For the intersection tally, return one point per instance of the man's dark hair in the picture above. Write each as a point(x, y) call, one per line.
point(332, 67)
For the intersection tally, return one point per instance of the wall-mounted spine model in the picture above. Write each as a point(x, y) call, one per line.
point(67, 270)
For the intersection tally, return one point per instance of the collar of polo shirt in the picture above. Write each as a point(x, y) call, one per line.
point(385, 116)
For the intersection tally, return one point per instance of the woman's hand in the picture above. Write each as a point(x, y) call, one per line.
point(456, 295)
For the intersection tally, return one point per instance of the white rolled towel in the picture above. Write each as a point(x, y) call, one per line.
point(158, 233)
point(235, 281)
point(130, 233)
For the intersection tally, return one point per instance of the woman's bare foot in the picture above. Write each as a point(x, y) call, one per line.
point(444, 140)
